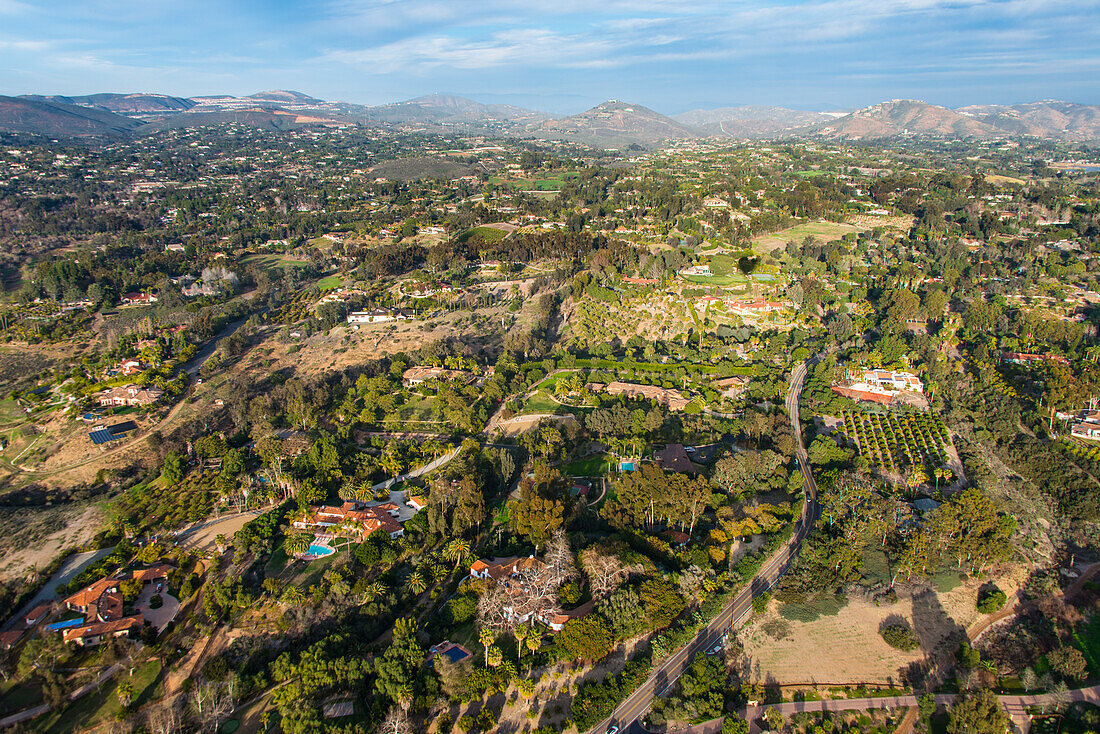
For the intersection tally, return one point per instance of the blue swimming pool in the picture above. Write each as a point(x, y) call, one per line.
point(66, 624)
point(320, 550)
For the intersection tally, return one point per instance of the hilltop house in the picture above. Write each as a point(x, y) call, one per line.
point(130, 395)
point(102, 602)
point(414, 376)
point(352, 518)
point(139, 299)
point(672, 399)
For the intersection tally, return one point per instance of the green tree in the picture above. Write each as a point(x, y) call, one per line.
point(586, 638)
point(979, 712)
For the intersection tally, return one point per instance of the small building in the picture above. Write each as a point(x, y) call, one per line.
point(9, 638)
point(37, 614)
point(417, 502)
point(94, 634)
point(1086, 425)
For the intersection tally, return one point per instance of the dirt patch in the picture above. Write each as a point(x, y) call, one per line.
point(31, 538)
point(846, 648)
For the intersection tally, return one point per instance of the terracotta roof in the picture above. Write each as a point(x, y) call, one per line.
point(103, 628)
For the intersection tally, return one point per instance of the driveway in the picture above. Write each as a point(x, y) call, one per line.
point(159, 618)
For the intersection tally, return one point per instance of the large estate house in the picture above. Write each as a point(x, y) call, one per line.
point(671, 399)
point(103, 606)
point(130, 395)
point(352, 518)
point(415, 376)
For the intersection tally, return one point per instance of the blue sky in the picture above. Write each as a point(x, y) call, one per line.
point(564, 55)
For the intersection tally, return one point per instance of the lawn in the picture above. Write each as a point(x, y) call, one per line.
point(102, 704)
point(826, 231)
point(540, 402)
point(275, 261)
point(489, 234)
point(1086, 637)
point(10, 412)
point(18, 696)
point(591, 466)
point(330, 282)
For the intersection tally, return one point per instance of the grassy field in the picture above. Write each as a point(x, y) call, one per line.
point(329, 283)
point(591, 466)
point(825, 231)
point(275, 261)
point(10, 412)
point(103, 704)
point(552, 183)
point(489, 234)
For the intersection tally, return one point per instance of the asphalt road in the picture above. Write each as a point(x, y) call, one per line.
point(630, 712)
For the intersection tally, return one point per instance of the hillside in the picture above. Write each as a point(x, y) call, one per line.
point(1048, 118)
point(124, 104)
point(60, 119)
point(269, 118)
point(614, 124)
point(447, 108)
point(750, 121)
point(902, 117)
point(285, 96)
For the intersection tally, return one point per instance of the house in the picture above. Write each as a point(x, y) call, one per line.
point(103, 599)
point(9, 638)
point(641, 281)
point(732, 386)
point(415, 376)
point(94, 634)
point(674, 458)
point(351, 518)
point(417, 502)
point(37, 614)
point(175, 247)
point(1086, 425)
point(896, 381)
point(377, 316)
point(672, 399)
point(502, 568)
point(1029, 359)
point(696, 270)
point(130, 395)
point(139, 299)
point(558, 620)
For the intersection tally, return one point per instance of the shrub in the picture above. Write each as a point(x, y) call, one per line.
point(991, 600)
point(900, 636)
point(156, 602)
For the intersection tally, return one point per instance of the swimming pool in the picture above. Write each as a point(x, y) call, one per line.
point(320, 551)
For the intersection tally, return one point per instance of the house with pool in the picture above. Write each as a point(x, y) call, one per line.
point(351, 519)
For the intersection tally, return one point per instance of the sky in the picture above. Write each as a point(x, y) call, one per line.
point(562, 56)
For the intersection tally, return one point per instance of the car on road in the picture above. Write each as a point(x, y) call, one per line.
point(613, 730)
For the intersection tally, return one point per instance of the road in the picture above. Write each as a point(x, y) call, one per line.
point(1016, 706)
point(630, 711)
point(72, 566)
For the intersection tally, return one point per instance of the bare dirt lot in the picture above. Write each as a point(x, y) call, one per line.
point(847, 648)
point(31, 538)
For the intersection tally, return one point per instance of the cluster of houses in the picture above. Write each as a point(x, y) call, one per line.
point(101, 607)
point(879, 386)
point(671, 399)
point(130, 395)
point(1025, 359)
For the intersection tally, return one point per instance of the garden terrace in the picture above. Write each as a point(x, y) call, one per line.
point(898, 443)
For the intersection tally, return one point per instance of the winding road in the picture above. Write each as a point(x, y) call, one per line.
point(630, 712)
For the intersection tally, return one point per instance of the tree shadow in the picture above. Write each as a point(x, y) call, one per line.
point(939, 635)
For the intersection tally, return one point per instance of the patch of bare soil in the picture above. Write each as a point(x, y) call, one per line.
point(32, 537)
point(847, 648)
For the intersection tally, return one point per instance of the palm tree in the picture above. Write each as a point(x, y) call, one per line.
point(486, 637)
point(293, 596)
point(457, 550)
point(416, 582)
point(372, 592)
point(533, 642)
point(493, 656)
point(521, 633)
point(297, 544)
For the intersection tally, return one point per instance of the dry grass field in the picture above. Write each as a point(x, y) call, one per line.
point(847, 648)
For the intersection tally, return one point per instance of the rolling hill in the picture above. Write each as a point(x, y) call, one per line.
point(613, 124)
point(902, 117)
point(1048, 118)
point(750, 121)
point(61, 119)
point(124, 104)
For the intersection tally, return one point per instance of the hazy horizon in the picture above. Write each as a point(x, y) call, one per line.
point(671, 56)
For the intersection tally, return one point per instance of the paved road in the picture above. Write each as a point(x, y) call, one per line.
point(1016, 706)
point(72, 566)
point(430, 466)
point(196, 362)
point(630, 711)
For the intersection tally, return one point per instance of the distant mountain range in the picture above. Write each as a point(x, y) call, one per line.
point(613, 124)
